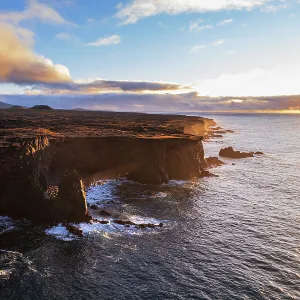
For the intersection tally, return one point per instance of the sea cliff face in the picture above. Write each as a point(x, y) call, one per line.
point(43, 175)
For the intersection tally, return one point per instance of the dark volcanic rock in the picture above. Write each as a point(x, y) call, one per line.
point(229, 152)
point(71, 202)
point(74, 230)
point(37, 147)
point(122, 222)
point(142, 225)
point(23, 180)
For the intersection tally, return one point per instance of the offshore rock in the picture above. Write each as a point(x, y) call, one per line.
point(214, 162)
point(230, 153)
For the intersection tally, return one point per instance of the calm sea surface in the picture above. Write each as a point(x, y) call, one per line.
point(236, 236)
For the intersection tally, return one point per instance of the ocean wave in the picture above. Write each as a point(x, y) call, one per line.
point(6, 224)
point(101, 192)
point(14, 264)
point(108, 230)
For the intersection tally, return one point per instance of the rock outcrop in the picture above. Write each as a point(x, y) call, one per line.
point(231, 153)
point(71, 199)
point(38, 149)
point(214, 162)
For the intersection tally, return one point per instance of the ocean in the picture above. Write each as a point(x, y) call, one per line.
point(235, 236)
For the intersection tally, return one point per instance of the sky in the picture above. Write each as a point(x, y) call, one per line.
point(151, 55)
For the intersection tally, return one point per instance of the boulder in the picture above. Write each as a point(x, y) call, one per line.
point(74, 230)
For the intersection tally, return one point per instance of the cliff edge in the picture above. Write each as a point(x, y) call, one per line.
point(46, 157)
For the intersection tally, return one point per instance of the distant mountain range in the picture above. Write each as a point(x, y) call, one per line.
point(4, 105)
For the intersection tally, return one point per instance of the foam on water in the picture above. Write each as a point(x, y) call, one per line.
point(101, 192)
point(61, 233)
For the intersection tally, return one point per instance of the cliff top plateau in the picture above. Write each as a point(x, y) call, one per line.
point(23, 124)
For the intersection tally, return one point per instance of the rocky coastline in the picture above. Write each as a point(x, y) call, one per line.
point(48, 157)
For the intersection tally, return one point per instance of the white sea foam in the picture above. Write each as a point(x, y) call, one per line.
point(160, 195)
point(106, 230)
point(61, 233)
point(102, 191)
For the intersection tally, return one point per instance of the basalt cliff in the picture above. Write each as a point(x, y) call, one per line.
point(48, 157)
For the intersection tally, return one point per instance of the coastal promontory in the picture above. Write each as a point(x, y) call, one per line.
point(47, 157)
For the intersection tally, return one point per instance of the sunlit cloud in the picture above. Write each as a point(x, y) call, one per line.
point(160, 102)
point(106, 41)
point(97, 86)
point(255, 82)
point(20, 65)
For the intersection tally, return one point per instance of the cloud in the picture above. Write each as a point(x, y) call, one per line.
point(274, 8)
point(255, 82)
point(200, 28)
point(67, 37)
point(225, 22)
point(111, 40)
point(97, 86)
point(163, 25)
point(34, 10)
point(218, 42)
point(20, 65)
point(140, 9)
point(196, 48)
point(64, 36)
point(156, 102)
point(196, 26)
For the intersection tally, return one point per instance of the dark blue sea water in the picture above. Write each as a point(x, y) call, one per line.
point(236, 236)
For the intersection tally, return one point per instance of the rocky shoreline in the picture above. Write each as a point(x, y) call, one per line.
point(48, 157)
